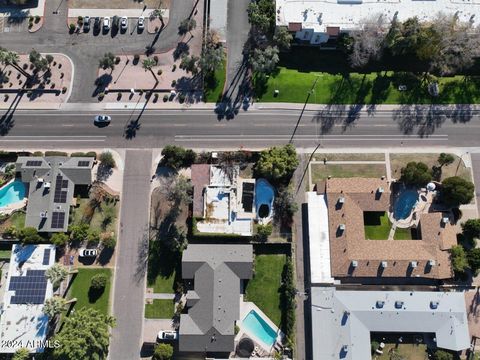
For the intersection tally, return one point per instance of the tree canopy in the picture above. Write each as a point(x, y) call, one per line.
point(177, 157)
point(56, 274)
point(265, 60)
point(277, 163)
point(416, 173)
point(59, 239)
point(458, 258)
point(471, 228)
point(163, 352)
point(445, 159)
point(29, 235)
point(84, 336)
point(456, 191)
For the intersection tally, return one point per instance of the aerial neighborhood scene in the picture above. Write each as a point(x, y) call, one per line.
point(239, 179)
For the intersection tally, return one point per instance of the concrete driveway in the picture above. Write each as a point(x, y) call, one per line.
point(132, 253)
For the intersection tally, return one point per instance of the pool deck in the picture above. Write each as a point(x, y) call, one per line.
point(7, 210)
point(245, 308)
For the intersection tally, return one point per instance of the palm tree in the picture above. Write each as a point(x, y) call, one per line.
point(57, 273)
point(56, 305)
point(148, 64)
point(11, 58)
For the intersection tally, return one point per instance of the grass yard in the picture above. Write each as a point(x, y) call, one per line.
point(350, 157)
point(80, 290)
point(405, 351)
point(263, 289)
point(97, 221)
point(116, 4)
point(398, 161)
point(5, 254)
point(214, 85)
point(376, 225)
point(160, 309)
point(17, 219)
point(402, 234)
point(321, 172)
point(163, 284)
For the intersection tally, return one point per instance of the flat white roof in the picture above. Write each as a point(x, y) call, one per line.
point(348, 14)
point(343, 320)
point(320, 271)
point(25, 324)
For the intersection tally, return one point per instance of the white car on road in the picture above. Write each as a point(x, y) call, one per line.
point(87, 252)
point(102, 120)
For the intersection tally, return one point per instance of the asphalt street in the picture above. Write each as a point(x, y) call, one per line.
point(86, 49)
point(131, 257)
point(252, 129)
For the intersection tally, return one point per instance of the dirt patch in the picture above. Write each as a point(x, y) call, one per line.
point(118, 4)
point(161, 207)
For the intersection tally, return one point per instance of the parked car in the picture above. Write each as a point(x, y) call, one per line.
point(141, 23)
point(124, 23)
point(96, 23)
point(86, 23)
point(87, 252)
point(167, 336)
point(102, 119)
point(106, 23)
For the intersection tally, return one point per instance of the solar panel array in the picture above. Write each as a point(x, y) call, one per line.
point(46, 257)
point(247, 196)
point(58, 220)
point(33, 163)
point(29, 289)
point(61, 191)
point(83, 163)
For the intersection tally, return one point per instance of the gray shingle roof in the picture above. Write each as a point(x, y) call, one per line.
point(217, 271)
point(41, 198)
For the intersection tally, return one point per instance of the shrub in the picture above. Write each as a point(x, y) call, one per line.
point(374, 346)
point(163, 352)
point(109, 242)
point(117, 60)
point(177, 157)
point(165, 98)
point(264, 231)
point(159, 72)
point(55, 153)
point(10, 231)
point(106, 158)
point(29, 235)
point(458, 258)
point(99, 281)
point(277, 163)
point(37, 19)
point(59, 239)
point(72, 27)
point(64, 90)
point(79, 232)
point(174, 67)
point(93, 237)
point(155, 58)
point(38, 153)
point(82, 154)
point(174, 83)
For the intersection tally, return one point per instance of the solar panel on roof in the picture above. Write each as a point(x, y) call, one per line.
point(33, 163)
point(83, 163)
point(65, 184)
point(29, 289)
point(58, 220)
point(46, 257)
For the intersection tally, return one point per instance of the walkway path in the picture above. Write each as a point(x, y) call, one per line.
point(132, 253)
point(388, 166)
point(159, 296)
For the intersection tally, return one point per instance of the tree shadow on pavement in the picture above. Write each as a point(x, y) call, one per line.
point(142, 257)
point(6, 121)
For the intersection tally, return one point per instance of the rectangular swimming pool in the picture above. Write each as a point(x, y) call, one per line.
point(257, 326)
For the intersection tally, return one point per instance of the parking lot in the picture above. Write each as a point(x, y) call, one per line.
point(111, 25)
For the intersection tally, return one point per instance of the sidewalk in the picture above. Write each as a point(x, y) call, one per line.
point(132, 13)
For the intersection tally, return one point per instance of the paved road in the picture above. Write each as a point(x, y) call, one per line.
point(131, 261)
point(85, 50)
point(203, 129)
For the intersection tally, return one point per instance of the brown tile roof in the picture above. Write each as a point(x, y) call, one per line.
point(200, 179)
point(294, 26)
point(361, 195)
point(333, 30)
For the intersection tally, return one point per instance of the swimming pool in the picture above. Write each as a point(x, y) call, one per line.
point(264, 195)
point(404, 203)
point(12, 193)
point(255, 325)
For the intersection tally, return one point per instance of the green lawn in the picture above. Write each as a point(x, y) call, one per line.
point(403, 234)
point(376, 225)
point(80, 290)
point(18, 219)
point(160, 309)
point(214, 85)
point(163, 269)
point(5, 254)
point(349, 156)
point(83, 214)
point(321, 172)
point(263, 289)
point(358, 88)
point(162, 284)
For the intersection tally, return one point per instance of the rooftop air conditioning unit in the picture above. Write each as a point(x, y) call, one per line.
point(413, 264)
point(398, 304)
point(47, 185)
point(40, 180)
point(431, 262)
point(445, 220)
point(44, 214)
point(434, 304)
point(383, 264)
point(379, 304)
point(341, 227)
point(341, 200)
point(354, 263)
point(380, 190)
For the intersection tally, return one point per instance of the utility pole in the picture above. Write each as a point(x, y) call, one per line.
point(304, 106)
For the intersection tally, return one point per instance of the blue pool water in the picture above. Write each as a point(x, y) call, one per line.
point(264, 195)
point(12, 193)
point(255, 325)
point(404, 203)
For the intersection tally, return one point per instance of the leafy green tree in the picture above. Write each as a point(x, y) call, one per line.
point(471, 228)
point(443, 355)
point(21, 354)
point(109, 242)
point(177, 188)
point(264, 231)
point(107, 160)
point(79, 232)
point(29, 235)
point(445, 159)
point(59, 239)
point(107, 61)
point(284, 207)
point(163, 352)
point(84, 336)
point(288, 301)
point(283, 38)
point(187, 25)
point(56, 274)
point(49, 59)
point(212, 58)
point(473, 257)
point(261, 15)
point(189, 64)
point(456, 191)
point(264, 61)
point(177, 157)
point(277, 163)
point(416, 173)
point(458, 258)
point(98, 281)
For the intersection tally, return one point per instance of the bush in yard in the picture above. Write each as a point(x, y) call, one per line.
point(165, 98)
point(106, 158)
point(21, 354)
point(99, 281)
point(284, 207)
point(59, 239)
point(109, 242)
point(458, 258)
point(473, 258)
point(456, 191)
point(29, 235)
point(471, 231)
point(10, 232)
point(445, 159)
point(374, 346)
point(37, 153)
point(416, 173)
point(177, 157)
point(55, 153)
point(288, 304)
point(277, 163)
point(163, 352)
point(37, 19)
point(79, 232)
point(72, 27)
point(264, 231)
point(93, 237)
point(443, 355)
